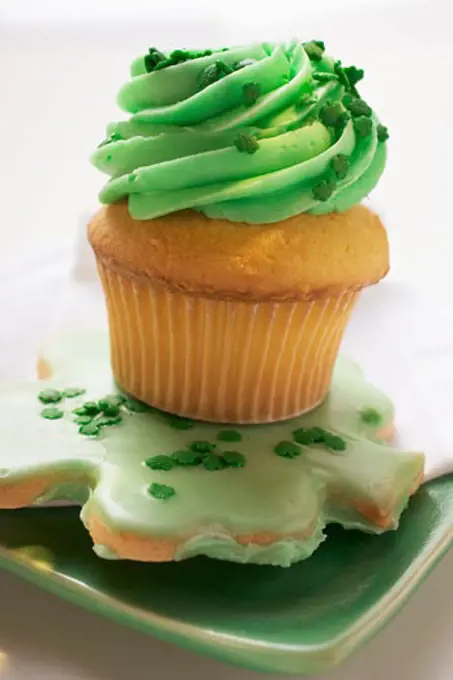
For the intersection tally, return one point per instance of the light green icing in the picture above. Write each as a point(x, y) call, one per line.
point(177, 149)
point(270, 494)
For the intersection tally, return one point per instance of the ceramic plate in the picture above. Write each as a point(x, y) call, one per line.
point(304, 619)
point(299, 620)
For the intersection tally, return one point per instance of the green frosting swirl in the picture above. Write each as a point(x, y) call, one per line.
point(253, 134)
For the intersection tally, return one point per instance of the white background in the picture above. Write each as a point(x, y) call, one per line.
point(61, 64)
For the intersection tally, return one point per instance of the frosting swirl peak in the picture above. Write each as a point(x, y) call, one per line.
point(253, 134)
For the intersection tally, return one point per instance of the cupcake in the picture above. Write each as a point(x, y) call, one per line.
point(232, 244)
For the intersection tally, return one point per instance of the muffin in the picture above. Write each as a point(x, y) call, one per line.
point(232, 245)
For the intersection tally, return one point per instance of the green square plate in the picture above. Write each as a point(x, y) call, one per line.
point(304, 619)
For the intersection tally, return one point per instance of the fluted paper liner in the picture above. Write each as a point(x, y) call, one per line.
point(218, 360)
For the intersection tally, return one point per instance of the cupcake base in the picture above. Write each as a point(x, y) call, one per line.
point(218, 360)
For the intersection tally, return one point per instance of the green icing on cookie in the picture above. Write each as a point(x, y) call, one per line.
point(229, 436)
point(108, 476)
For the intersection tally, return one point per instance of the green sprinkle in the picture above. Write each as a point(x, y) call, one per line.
point(353, 74)
point(332, 115)
point(212, 73)
point(161, 491)
point(323, 190)
point(135, 406)
point(363, 126)
point(108, 420)
point(184, 457)
point(318, 434)
point(161, 463)
point(179, 56)
point(52, 413)
point(340, 165)
point(71, 392)
point(333, 442)
point(371, 416)
point(153, 58)
point(178, 423)
point(90, 408)
point(382, 133)
point(202, 447)
point(108, 409)
point(246, 143)
point(287, 450)
point(109, 157)
point(83, 420)
point(357, 106)
point(229, 436)
point(251, 93)
point(212, 462)
point(303, 436)
point(90, 429)
point(324, 76)
point(234, 459)
point(314, 49)
point(50, 396)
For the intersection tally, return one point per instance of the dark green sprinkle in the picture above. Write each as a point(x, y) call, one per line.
point(314, 49)
point(330, 113)
point(324, 76)
point(318, 434)
point(212, 73)
point(184, 457)
point(180, 423)
point(90, 408)
point(382, 133)
point(333, 442)
point(357, 106)
point(153, 58)
point(323, 190)
point(108, 420)
point(109, 409)
point(306, 100)
point(50, 396)
point(135, 406)
point(246, 143)
point(52, 413)
point(161, 491)
point(340, 165)
point(251, 93)
point(90, 429)
point(212, 462)
point(303, 436)
point(371, 416)
point(79, 411)
point(234, 459)
point(71, 392)
point(363, 126)
point(353, 74)
point(83, 420)
point(161, 463)
point(229, 436)
point(202, 447)
point(287, 450)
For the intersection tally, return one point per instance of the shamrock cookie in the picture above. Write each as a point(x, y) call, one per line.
point(156, 487)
